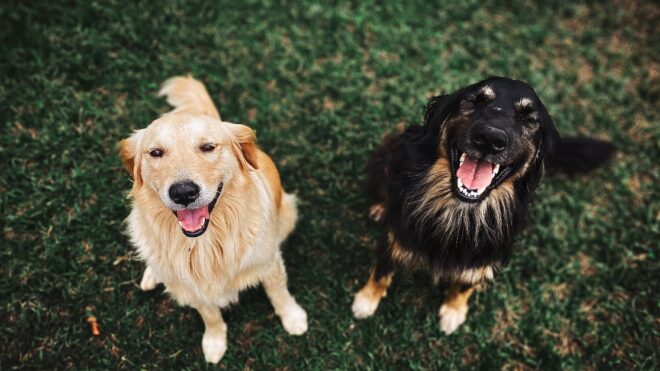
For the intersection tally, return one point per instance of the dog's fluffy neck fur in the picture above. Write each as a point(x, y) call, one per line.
point(213, 256)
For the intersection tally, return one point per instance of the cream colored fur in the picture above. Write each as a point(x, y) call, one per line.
point(253, 215)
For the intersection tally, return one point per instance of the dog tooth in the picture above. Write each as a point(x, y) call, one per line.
point(496, 168)
point(462, 158)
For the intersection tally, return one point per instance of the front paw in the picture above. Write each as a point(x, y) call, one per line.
point(451, 318)
point(149, 281)
point(295, 320)
point(214, 346)
point(364, 305)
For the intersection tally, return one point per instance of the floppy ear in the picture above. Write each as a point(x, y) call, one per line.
point(128, 151)
point(550, 134)
point(244, 146)
point(438, 109)
point(548, 138)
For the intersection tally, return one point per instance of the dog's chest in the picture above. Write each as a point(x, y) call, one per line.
point(212, 272)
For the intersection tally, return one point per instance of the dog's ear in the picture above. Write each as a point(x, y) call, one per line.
point(550, 134)
point(244, 145)
point(547, 139)
point(130, 156)
point(438, 110)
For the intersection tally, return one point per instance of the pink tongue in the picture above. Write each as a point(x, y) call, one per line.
point(475, 174)
point(192, 219)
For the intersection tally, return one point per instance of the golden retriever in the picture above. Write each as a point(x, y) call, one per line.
point(208, 212)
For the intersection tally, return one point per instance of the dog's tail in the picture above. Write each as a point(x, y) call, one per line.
point(288, 214)
point(579, 155)
point(188, 95)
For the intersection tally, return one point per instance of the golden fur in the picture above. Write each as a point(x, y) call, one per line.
point(252, 216)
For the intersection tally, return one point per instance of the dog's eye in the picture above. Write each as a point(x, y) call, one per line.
point(207, 147)
point(531, 120)
point(476, 98)
point(156, 152)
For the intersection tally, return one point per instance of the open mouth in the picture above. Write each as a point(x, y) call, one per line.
point(475, 177)
point(193, 222)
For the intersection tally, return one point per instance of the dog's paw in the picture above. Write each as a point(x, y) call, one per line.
point(214, 346)
point(364, 305)
point(295, 320)
point(451, 318)
point(149, 281)
point(377, 212)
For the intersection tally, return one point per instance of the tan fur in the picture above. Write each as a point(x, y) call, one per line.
point(367, 299)
point(269, 170)
point(377, 212)
point(403, 256)
point(252, 216)
point(488, 92)
point(437, 197)
point(475, 276)
point(454, 308)
point(456, 298)
point(377, 289)
point(472, 276)
point(523, 103)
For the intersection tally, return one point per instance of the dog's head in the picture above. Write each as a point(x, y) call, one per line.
point(490, 132)
point(186, 160)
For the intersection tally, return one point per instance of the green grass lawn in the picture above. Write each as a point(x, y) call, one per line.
point(321, 84)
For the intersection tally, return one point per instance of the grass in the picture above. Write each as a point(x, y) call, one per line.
point(321, 84)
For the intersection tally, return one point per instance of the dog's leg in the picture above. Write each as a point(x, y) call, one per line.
point(455, 307)
point(367, 299)
point(294, 318)
point(214, 342)
point(149, 280)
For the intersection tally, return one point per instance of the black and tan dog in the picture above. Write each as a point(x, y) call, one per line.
point(453, 192)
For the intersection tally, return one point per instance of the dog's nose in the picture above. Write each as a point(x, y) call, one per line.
point(490, 139)
point(184, 193)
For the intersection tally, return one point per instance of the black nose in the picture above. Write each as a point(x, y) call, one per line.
point(490, 139)
point(184, 193)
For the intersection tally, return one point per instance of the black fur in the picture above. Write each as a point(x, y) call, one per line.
point(579, 155)
point(398, 167)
